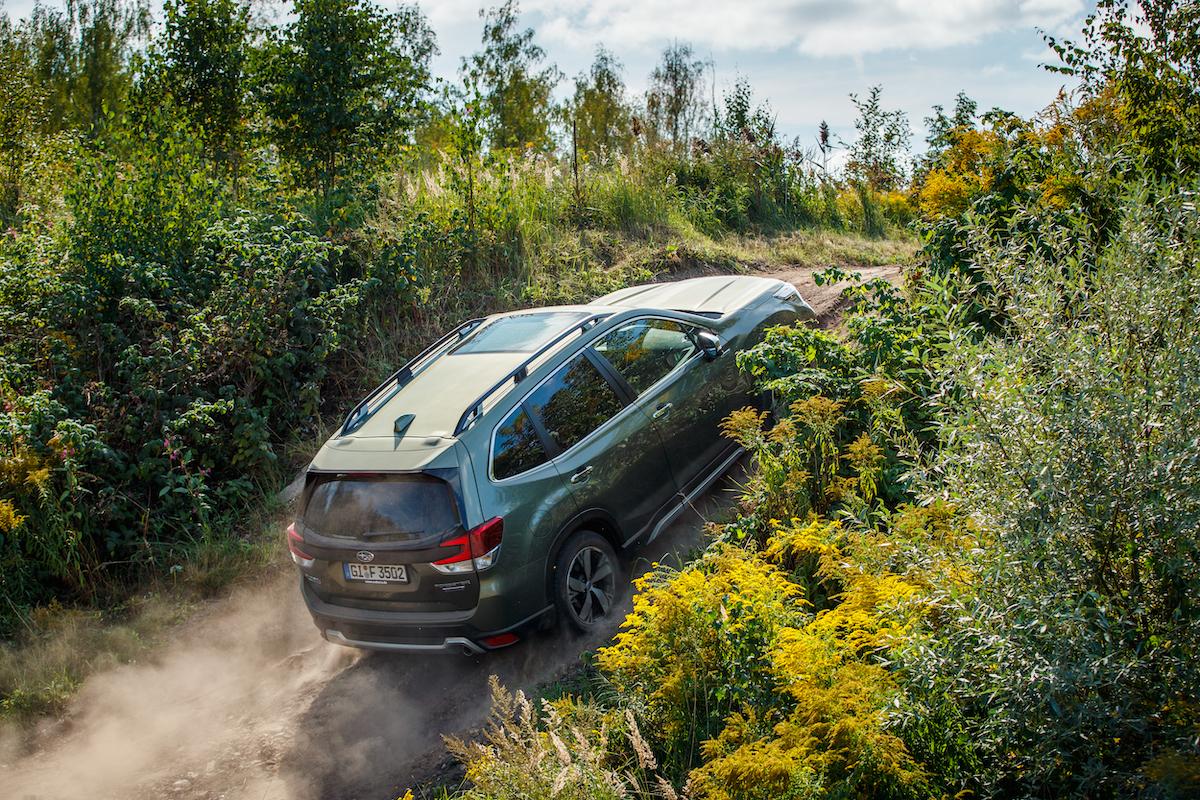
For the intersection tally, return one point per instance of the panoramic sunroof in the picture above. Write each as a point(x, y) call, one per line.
point(519, 333)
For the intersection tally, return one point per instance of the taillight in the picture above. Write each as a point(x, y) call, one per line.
point(475, 549)
point(499, 640)
point(296, 547)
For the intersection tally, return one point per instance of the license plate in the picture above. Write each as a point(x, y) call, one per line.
point(375, 573)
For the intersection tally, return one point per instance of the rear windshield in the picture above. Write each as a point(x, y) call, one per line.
point(520, 333)
point(383, 508)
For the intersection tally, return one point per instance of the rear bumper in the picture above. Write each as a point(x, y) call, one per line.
point(413, 631)
point(450, 644)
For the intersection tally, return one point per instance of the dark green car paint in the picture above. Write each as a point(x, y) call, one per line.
point(624, 480)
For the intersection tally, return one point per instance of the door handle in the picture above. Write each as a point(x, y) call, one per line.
point(582, 474)
point(662, 411)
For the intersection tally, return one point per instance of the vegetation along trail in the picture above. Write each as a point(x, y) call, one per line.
point(962, 561)
point(249, 702)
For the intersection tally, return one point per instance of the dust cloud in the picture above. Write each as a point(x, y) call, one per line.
point(211, 716)
point(248, 701)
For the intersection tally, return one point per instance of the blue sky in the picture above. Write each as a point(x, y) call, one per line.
point(804, 56)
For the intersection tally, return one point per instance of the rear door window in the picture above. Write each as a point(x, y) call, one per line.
point(574, 402)
point(385, 508)
point(518, 447)
point(645, 350)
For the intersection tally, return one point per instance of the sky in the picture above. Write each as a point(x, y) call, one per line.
point(806, 56)
point(803, 56)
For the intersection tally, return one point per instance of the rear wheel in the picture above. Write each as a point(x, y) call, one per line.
point(587, 579)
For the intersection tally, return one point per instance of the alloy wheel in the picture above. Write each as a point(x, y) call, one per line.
point(591, 584)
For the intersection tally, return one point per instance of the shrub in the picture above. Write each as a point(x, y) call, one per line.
point(690, 653)
point(1071, 667)
point(859, 414)
point(832, 745)
point(896, 208)
point(828, 732)
point(944, 195)
point(795, 362)
point(143, 422)
point(148, 199)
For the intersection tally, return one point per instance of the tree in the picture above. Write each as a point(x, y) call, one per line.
point(941, 131)
point(517, 89)
point(81, 57)
point(205, 49)
point(941, 126)
point(22, 112)
point(466, 122)
point(741, 120)
point(877, 156)
point(598, 110)
point(1145, 67)
point(674, 106)
point(343, 84)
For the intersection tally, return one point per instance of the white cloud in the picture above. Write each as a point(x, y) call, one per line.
point(811, 27)
point(445, 12)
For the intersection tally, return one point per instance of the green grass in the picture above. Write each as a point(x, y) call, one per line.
point(820, 248)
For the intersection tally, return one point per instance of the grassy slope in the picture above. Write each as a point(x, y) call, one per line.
point(62, 646)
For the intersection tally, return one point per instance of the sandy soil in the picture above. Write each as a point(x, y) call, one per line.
point(827, 300)
point(249, 702)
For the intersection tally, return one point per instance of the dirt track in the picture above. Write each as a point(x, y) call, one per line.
point(249, 702)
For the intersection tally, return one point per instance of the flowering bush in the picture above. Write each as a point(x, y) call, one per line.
point(690, 653)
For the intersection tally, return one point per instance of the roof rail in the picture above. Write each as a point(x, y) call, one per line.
point(475, 410)
point(363, 411)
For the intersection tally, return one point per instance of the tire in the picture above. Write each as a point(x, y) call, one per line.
point(587, 581)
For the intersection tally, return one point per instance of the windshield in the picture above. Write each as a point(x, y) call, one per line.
point(520, 333)
point(381, 508)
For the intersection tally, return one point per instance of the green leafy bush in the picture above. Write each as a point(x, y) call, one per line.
point(1073, 444)
point(131, 429)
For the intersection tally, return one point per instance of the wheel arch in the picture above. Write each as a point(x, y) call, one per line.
point(592, 519)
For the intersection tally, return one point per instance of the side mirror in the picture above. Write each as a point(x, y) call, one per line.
point(709, 345)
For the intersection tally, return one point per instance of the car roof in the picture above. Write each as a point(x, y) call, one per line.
point(438, 394)
point(716, 295)
point(440, 391)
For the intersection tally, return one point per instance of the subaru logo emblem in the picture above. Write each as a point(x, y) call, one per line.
point(365, 555)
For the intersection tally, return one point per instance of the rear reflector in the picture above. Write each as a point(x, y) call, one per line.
point(295, 544)
point(475, 549)
point(499, 640)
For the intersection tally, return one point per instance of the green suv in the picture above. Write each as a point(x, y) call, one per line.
point(493, 480)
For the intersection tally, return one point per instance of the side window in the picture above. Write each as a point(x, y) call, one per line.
point(645, 350)
point(573, 403)
point(518, 447)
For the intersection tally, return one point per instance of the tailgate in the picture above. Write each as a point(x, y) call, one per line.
point(374, 537)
